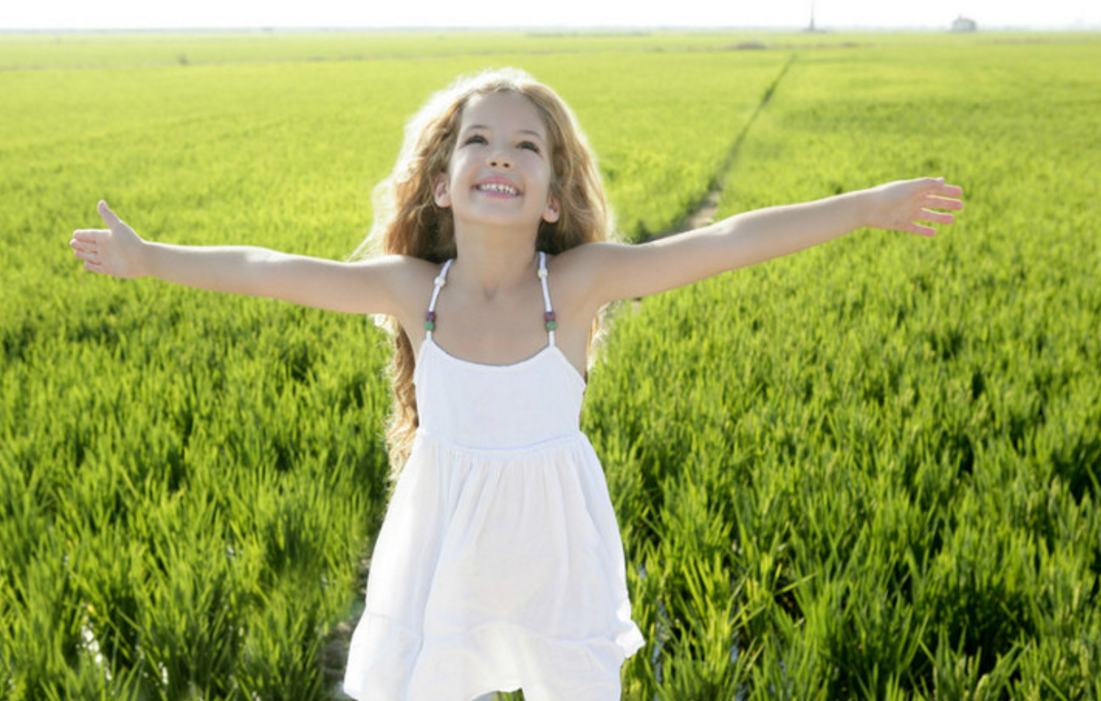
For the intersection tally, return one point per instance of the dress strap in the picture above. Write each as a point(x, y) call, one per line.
point(441, 280)
point(548, 315)
point(430, 315)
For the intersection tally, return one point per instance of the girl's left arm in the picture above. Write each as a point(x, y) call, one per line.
point(623, 271)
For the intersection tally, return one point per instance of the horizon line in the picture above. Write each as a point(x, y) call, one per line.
point(552, 29)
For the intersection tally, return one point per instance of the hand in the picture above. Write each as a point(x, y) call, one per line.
point(899, 206)
point(114, 251)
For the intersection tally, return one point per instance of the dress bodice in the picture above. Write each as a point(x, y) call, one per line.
point(497, 407)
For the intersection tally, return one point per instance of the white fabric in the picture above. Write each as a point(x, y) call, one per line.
point(499, 565)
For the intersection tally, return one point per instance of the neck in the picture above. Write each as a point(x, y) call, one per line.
point(489, 263)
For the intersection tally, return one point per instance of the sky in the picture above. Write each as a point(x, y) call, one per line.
point(212, 14)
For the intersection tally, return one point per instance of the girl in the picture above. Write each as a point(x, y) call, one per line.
point(499, 565)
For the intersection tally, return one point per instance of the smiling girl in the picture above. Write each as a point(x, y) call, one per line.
point(499, 565)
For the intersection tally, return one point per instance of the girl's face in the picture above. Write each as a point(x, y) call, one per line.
point(500, 169)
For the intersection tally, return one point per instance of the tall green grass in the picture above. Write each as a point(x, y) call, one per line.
point(865, 471)
point(190, 483)
point(870, 470)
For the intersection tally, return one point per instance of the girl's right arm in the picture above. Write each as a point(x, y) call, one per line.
point(363, 287)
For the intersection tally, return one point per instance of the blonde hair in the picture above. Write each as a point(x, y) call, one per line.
point(408, 221)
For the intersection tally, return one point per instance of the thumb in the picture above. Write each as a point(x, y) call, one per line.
point(108, 216)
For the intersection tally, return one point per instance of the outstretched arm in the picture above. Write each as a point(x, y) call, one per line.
point(620, 272)
point(365, 287)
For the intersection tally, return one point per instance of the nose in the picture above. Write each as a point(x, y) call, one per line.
point(499, 159)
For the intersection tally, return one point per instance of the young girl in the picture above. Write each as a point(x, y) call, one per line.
point(499, 565)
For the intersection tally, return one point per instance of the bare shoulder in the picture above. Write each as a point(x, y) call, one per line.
point(401, 271)
point(607, 271)
point(598, 273)
point(377, 285)
point(587, 259)
point(406, 278)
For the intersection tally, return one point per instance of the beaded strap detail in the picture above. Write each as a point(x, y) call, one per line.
point(548, 316)
point(549, 320)
point(430, 315)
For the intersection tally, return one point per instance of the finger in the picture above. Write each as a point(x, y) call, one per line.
point(89, 257)
point(936, 217)
point(921, 230)
point(943, 203)
point(108, 216)
point(83, 247)
point(95, 268)
point(88, 234)
point(950, 190)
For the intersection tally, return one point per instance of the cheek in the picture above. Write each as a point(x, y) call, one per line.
point(547, 171)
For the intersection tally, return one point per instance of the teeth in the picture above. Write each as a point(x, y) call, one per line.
point(498, 187)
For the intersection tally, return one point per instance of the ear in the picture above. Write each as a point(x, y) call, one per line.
point(440, 192)
point(552, 212)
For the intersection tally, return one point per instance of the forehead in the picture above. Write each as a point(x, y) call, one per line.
point(507, 111)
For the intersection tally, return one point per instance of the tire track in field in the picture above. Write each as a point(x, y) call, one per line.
point(704, 211)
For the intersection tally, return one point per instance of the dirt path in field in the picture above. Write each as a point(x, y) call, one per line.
point(705, 210)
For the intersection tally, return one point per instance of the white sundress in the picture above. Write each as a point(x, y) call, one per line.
point(499, 565)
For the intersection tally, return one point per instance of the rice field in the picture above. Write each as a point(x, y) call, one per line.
point(868, 470)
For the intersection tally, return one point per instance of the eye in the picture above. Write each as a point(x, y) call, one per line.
point(475, 139)
point(531, 146)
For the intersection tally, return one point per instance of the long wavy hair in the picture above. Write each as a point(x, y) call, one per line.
point(408, 221)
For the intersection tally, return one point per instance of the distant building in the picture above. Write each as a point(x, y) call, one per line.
point(962, 24)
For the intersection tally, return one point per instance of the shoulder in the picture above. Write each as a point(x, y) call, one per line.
point(588, 258)
point(401, 271)
point(590, 272)
point(608, 271)
point(405, 281)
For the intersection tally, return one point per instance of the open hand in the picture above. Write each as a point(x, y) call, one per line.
point(899, 206)
point(113, 251)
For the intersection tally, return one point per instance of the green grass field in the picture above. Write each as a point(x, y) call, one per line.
point(868, 470)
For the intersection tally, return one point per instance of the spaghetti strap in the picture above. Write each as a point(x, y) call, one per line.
point(430, 315)
point(548, 314)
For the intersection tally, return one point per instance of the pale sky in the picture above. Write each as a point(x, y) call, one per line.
point(203, 14)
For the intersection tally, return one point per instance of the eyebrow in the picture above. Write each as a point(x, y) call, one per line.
point(519, 131)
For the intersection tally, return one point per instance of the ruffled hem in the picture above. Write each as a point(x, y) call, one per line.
point(389, 662)
point(495, 571)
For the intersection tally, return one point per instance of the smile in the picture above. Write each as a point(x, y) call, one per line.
point(500, 188)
